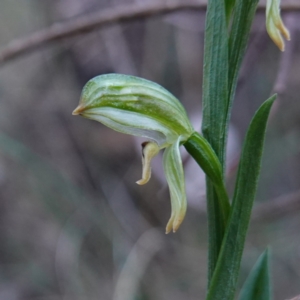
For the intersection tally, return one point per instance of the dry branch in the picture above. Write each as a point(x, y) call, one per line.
point(91, 21)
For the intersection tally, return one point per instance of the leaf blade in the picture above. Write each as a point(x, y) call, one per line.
point(229, 5)
point(257, 285)
point(226, 274)
point(244, 13)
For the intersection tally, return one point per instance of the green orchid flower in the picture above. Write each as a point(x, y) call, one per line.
point(142, 108)
point(274, 24)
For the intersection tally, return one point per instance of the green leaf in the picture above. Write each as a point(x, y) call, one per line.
point(229, 5)
point(243, 16)
point(257, 285)
point(215, 95)
point(223, 283)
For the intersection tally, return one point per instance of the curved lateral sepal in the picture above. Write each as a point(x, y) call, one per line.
point(175, 177)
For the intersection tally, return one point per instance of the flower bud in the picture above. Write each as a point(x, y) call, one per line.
point(274, 24)
point(135, 106)
point(142, 108)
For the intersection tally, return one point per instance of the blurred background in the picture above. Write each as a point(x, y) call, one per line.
point(73, 223)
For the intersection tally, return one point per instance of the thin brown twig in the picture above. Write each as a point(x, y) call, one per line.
point(91, 21)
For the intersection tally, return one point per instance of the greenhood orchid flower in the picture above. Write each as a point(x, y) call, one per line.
point(142, 108)
point(274, 24)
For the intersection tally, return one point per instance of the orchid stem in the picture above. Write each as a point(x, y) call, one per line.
point(199, 148)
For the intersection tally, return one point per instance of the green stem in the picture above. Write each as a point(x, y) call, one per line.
point(214, 104)
point(199, 148)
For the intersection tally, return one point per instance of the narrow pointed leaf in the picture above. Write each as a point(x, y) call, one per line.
point(243, 16)
point(215, 95)
point(257, 285)
point(229, 5)
point(242, 12)
point(224, 279)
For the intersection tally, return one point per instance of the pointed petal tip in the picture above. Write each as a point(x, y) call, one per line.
point(177, 224)
point(278, 41)
point(274, 24)
point(173, 227)
point(169, 226)
point(173, 224)
point(283, 30)
point(78, 110)
point(142, 181)
point(286, 35)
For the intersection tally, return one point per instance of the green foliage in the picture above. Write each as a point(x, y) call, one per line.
point(224, 51)
point(139, 107)
point(224, 280)
point(243, 16)
point(229, 5)
point(215, 74)
point(214, 103)
point(257, 285)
